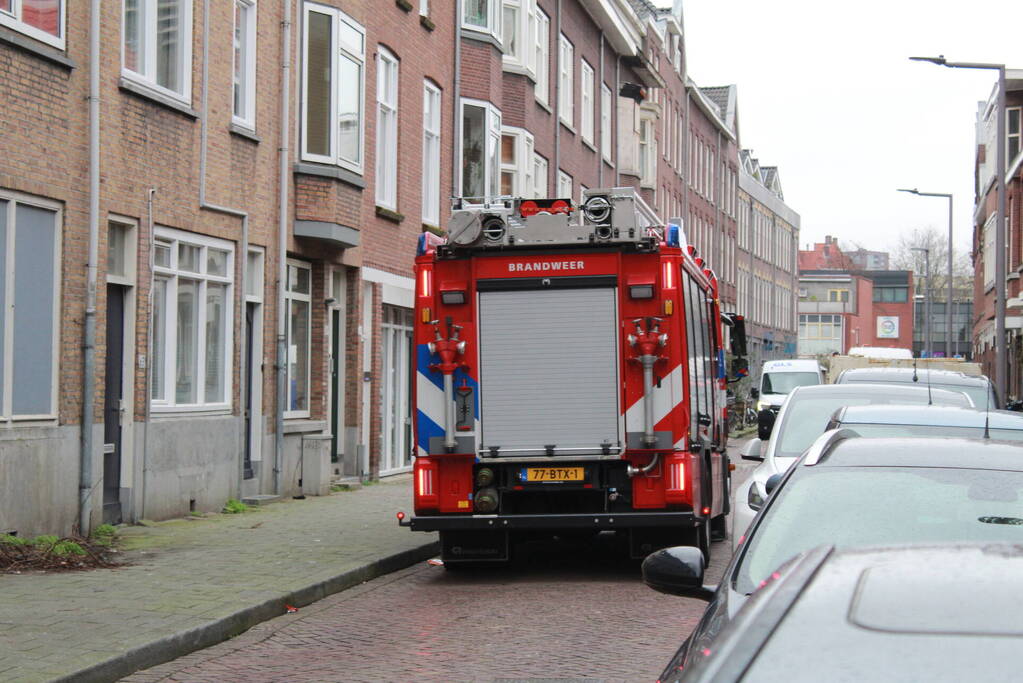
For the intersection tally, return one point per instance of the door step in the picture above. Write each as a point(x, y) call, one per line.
point(261, 499)
point(345, 484)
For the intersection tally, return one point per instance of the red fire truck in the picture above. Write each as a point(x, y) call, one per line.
point(570, 378)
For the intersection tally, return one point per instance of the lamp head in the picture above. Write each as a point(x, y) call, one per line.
point(939, 60)
point(913, 191)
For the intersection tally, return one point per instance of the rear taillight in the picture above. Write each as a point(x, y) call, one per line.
point(425, 484)
point(675, 486)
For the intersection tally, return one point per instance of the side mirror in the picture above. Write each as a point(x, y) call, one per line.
point(738, 336)
point(752, 450)
point(677, 571)
point(772, 482)
point(754, 393)
point(765, 423)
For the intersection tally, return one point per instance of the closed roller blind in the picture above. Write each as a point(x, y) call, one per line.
point(549, 369)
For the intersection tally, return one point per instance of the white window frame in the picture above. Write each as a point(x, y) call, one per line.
point(582, 193)
point(7, 341)
point(290, 296)
point(171, 274)
point(495, 11)
point(606, 122)
point(586, 95)
point(12, 19)
point(541, 172)
point(387, 129)
point(648, 161)
point(248, 49)
point(431, 153)
point(424, 8)
point(564, 185)
point(523, 60)
point(338, 51)
point(566, 94)
point(521, 169)
point(542, 57)
point(1009, 135)
point(149, 42)
point(492, 162)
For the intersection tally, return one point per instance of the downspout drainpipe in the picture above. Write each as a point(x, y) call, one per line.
point(282, 254)
point(149, 351)
point(687, 168)
point(456, 161)
point(614, 97)
point(557, 109)
point(85, 483)
point(237, 213)
point(600, 154)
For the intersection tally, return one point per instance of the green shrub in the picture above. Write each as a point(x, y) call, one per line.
point(64, 548)
point(234, 506)
point(14, 540)
point(45, 540)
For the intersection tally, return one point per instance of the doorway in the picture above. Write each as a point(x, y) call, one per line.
point(396, 348)
point(253, 385)
point(114, 406)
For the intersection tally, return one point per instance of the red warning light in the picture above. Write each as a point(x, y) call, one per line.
point(401, 516)
point(706, 511)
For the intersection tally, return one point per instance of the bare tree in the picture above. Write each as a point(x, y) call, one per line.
point(904, 257)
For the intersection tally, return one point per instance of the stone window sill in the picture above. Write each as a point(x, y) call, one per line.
point(142, 91)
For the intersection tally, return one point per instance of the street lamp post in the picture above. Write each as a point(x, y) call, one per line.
point(928, 351)
point(948, 305)
point(1000, 351)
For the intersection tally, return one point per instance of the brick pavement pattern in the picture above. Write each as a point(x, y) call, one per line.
point(192, 583)
point(566, 612)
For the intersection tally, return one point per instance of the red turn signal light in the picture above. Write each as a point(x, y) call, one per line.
point(706, 511)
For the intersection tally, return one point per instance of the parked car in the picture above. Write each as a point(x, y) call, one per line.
point(928, 421)
point(978, 388)
point(936, 613)
point(804, 417)
point(777, 379)
point(855, 492)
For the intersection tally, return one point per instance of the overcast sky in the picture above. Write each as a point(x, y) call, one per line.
point(827, 94)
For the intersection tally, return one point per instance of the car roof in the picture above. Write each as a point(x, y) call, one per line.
point(842, 448)
point(800, 364)
point(936, 613)
point(855, 389)
point(948, 416)
point(906, 375)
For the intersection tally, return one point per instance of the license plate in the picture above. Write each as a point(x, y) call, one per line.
point(553, 474)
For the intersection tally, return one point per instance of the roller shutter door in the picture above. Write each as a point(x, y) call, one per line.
point(549, 370)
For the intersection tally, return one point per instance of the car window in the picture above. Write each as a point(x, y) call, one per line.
point(807, 415)
point(980, 395)
point(784, 382)
point(887, 430)
point(850, 507)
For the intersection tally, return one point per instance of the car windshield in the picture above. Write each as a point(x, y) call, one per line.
point(851, 507)
point(880, 430)
point(784, 382)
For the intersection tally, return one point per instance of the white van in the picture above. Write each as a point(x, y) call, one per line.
point(779, 377)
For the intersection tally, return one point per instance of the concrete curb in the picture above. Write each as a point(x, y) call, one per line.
point(184, 642)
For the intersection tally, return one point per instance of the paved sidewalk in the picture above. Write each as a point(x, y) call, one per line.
point(195, 582)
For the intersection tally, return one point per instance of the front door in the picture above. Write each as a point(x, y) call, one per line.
point(250, 360)
point(335, 382)
point(397, 394)
point(113, 412)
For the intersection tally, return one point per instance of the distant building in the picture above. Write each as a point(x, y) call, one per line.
point(864, 259)
point(825, 255)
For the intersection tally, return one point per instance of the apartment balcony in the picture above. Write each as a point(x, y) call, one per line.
point(825, 307)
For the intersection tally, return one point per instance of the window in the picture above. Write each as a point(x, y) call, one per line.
point(897, 295)
point(564, 185)
point(158, 45)
point(481, 143)
point(39, 19)
point(519, 24)
point(483, 16)
point(605, 122)
point(298, 295)
point(586, 119)
point(647, 152)
point(192, 308)
point(566, 102)
point(516, 163)
point(29, 307)
point(1013, 131)
point(387, 129)
point(244, 85)
point(424, 8)
point(333, 84)
point(988, 253)
point(543, 57)
point(819, 333)
point(431, 153)
point(539, 176)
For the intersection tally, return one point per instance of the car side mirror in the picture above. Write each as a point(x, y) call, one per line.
point(753, 450)
point(677, 571)
point(765, 423)
point(772, 482)
point(754, 393)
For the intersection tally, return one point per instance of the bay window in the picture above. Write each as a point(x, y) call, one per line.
point(1013, 133)
point(605, 122)
point(334, 73)
point(586, 117)
point(244, 85)
point(647, 152)
point(42, 20)
point(387, 130)
point(192, 328)
point(483, 16)
point(542, 64)
point(540, 172)
point(566, 101)
point(298, 303)
point(519, 27)
point(516, 162)
point(480, 149)
point(431, 153)
point(157, 45)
